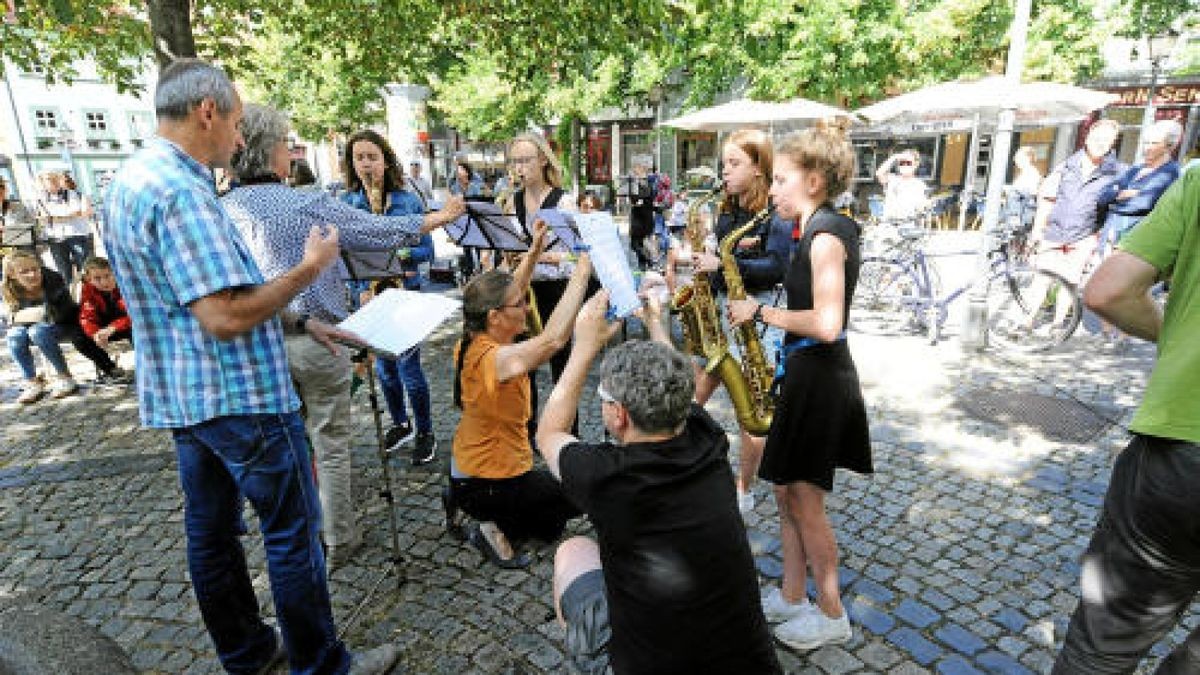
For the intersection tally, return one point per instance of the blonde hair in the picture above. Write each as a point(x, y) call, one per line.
point(9, 288)
point(552, 172)
point(757, 146)
point(824, 148)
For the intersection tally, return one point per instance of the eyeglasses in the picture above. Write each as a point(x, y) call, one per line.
point(605, 397)
point(905, 162)
point(522, 161)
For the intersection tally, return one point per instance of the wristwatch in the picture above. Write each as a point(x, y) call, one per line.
point(301, 321)
point(757, 316)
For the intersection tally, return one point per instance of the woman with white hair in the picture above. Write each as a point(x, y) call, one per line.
point(1135, 193)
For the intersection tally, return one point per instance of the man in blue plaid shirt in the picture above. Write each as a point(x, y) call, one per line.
point(211, 367)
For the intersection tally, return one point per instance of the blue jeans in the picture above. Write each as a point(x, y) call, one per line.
point(265, 458)
point(397, 375)
point(664, 236)
point(45, 336)
point(70, 253)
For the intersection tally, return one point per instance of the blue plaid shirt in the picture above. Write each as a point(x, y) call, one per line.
point(171, 243)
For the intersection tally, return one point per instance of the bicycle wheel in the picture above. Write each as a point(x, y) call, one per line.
point(1031, 310)
point(886, 299)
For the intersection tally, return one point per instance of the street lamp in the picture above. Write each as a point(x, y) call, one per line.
point(1158, 50)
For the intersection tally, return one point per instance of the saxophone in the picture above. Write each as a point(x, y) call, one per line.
point(704, 335)
point(694, 303)
point(756, 373)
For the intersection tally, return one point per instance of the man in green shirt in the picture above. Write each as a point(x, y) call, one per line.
point(1141, 569)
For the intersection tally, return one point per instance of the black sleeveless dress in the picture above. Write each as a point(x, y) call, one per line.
point(820, 420)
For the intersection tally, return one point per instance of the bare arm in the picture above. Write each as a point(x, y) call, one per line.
point(592, 332)
point(1119, 291)
point(884, 172)
point(234, 311)
point(522, 357)
point(824, 321)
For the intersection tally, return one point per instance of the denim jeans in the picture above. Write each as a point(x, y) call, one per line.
point(70, 253)
point(265, 458)
point(45, 336)
point(1141, 569)
point(397, 375)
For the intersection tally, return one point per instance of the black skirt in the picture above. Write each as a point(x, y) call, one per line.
point(820, 420)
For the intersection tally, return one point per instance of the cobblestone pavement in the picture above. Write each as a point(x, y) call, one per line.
point(959, 555)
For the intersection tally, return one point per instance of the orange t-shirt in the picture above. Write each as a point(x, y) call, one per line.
point(492, 440)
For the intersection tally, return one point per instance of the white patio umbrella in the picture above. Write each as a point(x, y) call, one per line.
point(1038, 104)
point(970, 106)
point(746, 113)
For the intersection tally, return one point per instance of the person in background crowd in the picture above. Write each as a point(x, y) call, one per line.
point(370, 160)
point(641, 217)
point(1132, 196)
point(66, 229)
point(904, 192)
point(668, 585)
point(588, 202)
point(492, 477)
point(102, 313)
point(1141, 569)
point(300, 175)
point(820, 420)
point(419, 184)
point(761, 259)
point(41, 312)
point(213, 369)
point(466, 184)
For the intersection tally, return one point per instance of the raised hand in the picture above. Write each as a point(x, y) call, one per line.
point(321, 248)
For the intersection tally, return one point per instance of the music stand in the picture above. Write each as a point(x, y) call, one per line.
point(19, 236)
point(364, 266)
point(485, 226)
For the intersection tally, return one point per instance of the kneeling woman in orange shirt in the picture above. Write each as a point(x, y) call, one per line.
point(492, 477)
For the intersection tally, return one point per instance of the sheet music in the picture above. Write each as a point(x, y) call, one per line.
point(397, 320)
point(609, 261)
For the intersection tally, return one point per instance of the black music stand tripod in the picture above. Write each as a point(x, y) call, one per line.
point(367, 266)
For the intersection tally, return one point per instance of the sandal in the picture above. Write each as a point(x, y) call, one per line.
point(518, 561)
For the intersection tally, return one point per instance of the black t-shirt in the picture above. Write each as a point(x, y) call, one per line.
point(798, 280)
point(682, 591)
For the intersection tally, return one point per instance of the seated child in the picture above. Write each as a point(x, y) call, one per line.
point(102, 312)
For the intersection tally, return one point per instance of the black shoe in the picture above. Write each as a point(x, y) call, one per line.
point(398, 435)
point(518, 561)
point(425, 448)
point(454, 525)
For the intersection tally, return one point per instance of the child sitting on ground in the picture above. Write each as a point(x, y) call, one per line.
point(102, 312)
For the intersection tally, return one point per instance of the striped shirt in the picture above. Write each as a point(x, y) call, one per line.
point(171, 243)
point(274, 220)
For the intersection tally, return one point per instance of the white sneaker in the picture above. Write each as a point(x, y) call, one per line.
point(63, 386)
point(813, 630)
point(31, 391)
point(777, 610)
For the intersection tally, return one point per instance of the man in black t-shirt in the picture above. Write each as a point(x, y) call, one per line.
point(669, 587)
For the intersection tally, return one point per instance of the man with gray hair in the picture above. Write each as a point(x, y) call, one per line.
point(274, 220)
point(212, 368)
point(669, 586)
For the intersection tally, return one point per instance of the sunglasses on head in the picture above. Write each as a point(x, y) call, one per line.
point(905, 162)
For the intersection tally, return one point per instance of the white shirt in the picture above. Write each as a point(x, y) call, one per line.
point(903, 197)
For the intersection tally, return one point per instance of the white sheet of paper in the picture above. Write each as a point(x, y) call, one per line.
point(609, 261)
point(395, 320)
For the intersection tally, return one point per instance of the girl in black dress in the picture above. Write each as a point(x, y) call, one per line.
point(820, 421)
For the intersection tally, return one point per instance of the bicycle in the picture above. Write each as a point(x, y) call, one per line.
point(1029, 310)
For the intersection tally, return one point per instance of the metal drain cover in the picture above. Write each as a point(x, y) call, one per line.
point(1056, 418)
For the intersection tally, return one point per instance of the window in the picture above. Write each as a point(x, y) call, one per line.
point(45, 121)
point(96, 124)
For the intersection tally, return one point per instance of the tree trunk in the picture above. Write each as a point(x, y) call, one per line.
point(171, 27)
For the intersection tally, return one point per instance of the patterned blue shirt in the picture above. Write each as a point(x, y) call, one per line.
point(171, 243)
point(274, 220)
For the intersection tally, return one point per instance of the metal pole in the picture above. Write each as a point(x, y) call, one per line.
point(968, 189)
point(1148, 112)
point(974, 333)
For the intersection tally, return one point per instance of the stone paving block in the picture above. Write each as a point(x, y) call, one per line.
point(960, 639)
point(938, 599)
point(833, 659)
point(916, 614)
point(1002, 664)
point(872, 590)
point(877, 655)
point(910, 641)
point(1011, 619)
point(874, 620)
